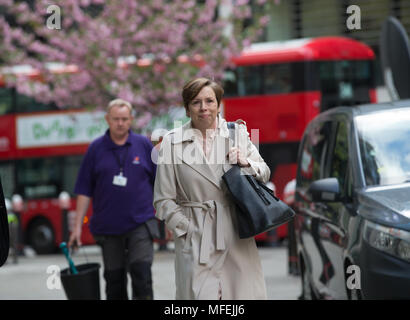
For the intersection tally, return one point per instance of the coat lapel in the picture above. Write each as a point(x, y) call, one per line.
point(188, 152)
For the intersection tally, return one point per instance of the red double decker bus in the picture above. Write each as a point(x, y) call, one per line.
point(41, 148)
point(278, 87)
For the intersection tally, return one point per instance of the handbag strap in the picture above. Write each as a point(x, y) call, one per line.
point(232, 129)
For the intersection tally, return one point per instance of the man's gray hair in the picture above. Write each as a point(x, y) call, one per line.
point(119, 102)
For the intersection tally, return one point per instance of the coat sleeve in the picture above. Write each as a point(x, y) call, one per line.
point(165, 193)
point(258, 167)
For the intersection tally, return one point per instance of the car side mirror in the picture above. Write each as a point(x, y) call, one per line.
point(325, 190)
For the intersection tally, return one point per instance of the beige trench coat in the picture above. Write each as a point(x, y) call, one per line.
point(191, 197)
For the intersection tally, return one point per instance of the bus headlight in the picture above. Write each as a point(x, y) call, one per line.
point(390, 240)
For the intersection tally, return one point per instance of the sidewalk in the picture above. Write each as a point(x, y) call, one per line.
point(27, 280)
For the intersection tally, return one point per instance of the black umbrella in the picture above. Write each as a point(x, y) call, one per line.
point(4, 229)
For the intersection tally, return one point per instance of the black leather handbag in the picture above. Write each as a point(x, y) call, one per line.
point(257, 208)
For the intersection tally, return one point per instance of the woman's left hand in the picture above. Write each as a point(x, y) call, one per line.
point(236, 157)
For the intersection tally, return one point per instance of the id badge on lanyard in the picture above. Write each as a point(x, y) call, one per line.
point(120, 180)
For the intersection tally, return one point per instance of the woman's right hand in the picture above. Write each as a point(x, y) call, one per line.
point(235, 156)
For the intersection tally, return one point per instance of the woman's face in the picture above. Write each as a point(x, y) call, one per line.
point(203, 109)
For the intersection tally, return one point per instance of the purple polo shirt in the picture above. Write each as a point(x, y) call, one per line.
point(118, 209)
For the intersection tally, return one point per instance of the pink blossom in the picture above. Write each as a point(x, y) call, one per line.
point(6, 3)
point(160, 30)
point(126, 93)
point(80, 81)
point(264, 20)
point(143, 120)
point(241, 2)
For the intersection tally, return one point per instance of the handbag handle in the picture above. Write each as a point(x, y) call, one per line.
point(257, 187)
point(269, 191)
point(232, 130)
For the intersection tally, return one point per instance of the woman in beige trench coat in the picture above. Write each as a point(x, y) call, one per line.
point(211, 262)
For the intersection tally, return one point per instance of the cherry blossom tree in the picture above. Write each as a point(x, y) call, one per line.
point(139, 50)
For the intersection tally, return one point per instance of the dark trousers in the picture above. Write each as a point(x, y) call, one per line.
point(132, 252)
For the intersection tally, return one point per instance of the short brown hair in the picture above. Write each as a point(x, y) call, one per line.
point(193, 87)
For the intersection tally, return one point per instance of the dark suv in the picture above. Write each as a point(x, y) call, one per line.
point(353, 203)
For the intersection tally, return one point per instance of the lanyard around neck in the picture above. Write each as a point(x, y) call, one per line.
point(121, 162)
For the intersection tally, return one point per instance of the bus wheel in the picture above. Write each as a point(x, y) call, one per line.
point(41, 237)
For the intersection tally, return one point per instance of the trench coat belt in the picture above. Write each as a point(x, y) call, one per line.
point(212, 208)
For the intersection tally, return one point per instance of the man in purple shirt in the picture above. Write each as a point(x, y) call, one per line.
point(117, 173)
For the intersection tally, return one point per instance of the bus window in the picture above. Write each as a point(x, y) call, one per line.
point(6, 101)
point(28, 104)
point(7, 178)
point(345, 82)
point(70, 171)
point(39, 177)
point(277, 78)
point(250, 80)
point(268, 79)
point(230, 83)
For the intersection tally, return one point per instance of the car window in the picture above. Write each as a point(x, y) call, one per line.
point(349, 182)
point(314, 152)
point(340, 154)
point(384, 146)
